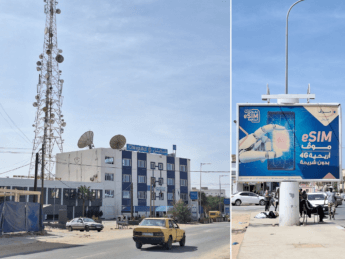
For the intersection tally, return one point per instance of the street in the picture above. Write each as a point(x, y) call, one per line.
point(203, 241)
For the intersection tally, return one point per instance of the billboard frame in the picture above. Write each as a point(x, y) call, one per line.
point(283, 179)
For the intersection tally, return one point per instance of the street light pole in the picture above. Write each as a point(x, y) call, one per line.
point(201, 164)
point(220, 191)
point(286, 49)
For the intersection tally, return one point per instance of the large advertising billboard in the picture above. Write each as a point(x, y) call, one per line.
point(298, 142)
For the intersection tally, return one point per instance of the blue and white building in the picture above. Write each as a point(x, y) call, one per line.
point(115, 170)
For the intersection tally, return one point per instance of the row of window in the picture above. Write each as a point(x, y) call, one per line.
point(127, 178)
point(143, 195)
point(142, 164)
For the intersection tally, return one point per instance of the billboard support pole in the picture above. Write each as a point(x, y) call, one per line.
point(289, 204)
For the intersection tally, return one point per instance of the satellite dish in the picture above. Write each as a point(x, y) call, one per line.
point(63, 124)
point(52, 115)
point(41, 56)
point(37, 97)
point(35, 104)
point(39, 63)
point(45, 30)
point(58, 11)
point(45, 109)
point(62, 81)
point(117, 142)
point(86, 140)
point(60, 50)
point(59, 58)
point(49, 51)
point(38, 68)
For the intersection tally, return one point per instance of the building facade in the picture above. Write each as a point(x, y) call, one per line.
point(116, 170)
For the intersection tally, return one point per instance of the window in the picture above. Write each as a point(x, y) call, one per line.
point(54, 193)
point(109, 194)
point(142, 163)
point(141, 179)
point(170, 196)
point(141, 195)
point(126, 178)
point(109, 177)
point(152, 165)
point(160, 166)
point(171, 167)
point(184, 182)
point(125, 195)
point(98, 194)
point(161, 196)
point(171, 181)
point(126, 162)
point(171, 224)
point(109, 160)
point(183, 168)
point(184, 196)
point(72, 194)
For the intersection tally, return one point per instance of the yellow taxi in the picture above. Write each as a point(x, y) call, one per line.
point(158, 231)
point(214, 214)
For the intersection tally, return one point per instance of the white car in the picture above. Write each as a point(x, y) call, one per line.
point(318, 198)
point(247, 198)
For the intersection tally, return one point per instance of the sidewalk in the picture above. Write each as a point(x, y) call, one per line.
point(313, 241)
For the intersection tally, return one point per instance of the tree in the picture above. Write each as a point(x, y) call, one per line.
point(85, 194)
point(204, 203)
point(181, 212)
point(213, 202)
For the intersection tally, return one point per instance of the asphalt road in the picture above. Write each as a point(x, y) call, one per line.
point(201, 240)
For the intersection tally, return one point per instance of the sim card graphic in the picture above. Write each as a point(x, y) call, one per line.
point(282, 140)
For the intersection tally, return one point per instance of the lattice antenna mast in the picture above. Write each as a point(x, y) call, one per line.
point(49, 122)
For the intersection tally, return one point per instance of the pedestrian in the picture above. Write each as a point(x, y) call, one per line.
point(300, 200)
point(331, 202)
point(277, 201)
point(267, 200)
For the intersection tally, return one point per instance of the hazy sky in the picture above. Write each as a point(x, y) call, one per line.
point(316, 50)
point(154, 71)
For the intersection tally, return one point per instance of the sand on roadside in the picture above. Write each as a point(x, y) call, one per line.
point(239, 223)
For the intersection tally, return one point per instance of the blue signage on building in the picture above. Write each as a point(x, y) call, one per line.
point(193, 195)
point(227, 201)
point(299, 142)
point(144, 149)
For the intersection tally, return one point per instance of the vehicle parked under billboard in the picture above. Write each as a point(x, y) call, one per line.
point(292, 142)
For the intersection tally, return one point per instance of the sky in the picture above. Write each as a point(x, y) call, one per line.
point(154, 71)
point(316, 51)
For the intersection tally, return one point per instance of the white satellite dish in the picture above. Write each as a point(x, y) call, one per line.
point(58, 11)
point(41, 56)
point(35, 104)
point(45, 30)
point(117, 142)
point(38, 68)
point(86, 140)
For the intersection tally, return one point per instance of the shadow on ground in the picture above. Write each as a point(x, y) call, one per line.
point(174, 249)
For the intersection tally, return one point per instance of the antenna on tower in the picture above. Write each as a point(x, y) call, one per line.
point(49, 122)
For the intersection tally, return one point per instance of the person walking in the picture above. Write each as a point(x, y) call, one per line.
point(267, 200)
point(277, 201)
point(331, 202)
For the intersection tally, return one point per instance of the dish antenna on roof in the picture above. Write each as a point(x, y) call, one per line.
point(86, 140)
point(117, 142)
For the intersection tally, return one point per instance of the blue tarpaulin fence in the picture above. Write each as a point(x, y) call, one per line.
point(19, 216)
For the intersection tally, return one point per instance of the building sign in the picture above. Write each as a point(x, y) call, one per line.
point(144, 149)
point(193, 195)
point(226, 201)
point(298, 142)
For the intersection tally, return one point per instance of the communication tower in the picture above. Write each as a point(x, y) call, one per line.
point(49, 123)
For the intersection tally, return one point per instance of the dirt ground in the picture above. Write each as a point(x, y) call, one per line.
point(238, 228)
point(61, 238)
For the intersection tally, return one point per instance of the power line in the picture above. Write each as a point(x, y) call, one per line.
point(13, 148)
point(15, 169)
point(14, 123)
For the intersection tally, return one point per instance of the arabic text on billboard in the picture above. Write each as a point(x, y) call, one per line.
point(144, 149)
point(300, 142)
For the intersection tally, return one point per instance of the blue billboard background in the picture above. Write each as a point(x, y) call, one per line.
point(288, 142)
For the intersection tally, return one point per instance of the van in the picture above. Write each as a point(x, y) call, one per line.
point(214, 214)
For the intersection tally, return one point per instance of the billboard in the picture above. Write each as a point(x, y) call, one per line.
point(145, 149)
point(292, 142)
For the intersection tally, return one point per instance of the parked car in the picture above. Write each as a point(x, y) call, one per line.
point(318, 198)
point(339, 200)
point(247, 198)
point(158, 231)
point(84, 224)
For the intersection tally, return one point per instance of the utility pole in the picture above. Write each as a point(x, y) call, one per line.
point(35, 182)
point(42, 187)
point(131, 201)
